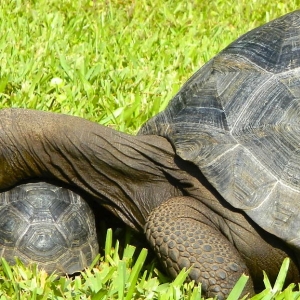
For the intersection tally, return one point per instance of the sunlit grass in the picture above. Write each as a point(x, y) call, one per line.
point(119, 62)
point(118, 275)
point(112, 276)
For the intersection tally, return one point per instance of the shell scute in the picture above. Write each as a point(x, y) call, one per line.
point(48, 225)
point(237, 119)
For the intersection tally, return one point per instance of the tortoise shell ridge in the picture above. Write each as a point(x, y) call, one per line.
point(237, 119)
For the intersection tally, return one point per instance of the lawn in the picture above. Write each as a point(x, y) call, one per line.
point(116, 63)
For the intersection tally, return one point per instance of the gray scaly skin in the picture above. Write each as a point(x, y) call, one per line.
point(142, 181)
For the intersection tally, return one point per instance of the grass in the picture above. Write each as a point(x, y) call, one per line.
point(116, 63)
point(119, 276)
point(110, 277)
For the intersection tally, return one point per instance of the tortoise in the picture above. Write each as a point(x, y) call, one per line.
point(212, 180)
point(49, 225)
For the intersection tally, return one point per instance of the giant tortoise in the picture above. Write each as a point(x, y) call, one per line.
point(213, 180)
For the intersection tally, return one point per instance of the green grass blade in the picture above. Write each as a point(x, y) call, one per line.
point(237, 290)
point(265, 294)
point(134, 275)
point(7, 269)
point(94, 262)
point(108, 244)
point(121, 279)
point(196, 293)
point(279, 283)
point(181, 277)
point(267, 281)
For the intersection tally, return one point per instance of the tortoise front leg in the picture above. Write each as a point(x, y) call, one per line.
point(183, 235)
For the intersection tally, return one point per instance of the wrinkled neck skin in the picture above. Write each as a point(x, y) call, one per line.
point(129, 175)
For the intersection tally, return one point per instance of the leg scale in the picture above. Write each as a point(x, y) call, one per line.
point(183, 235)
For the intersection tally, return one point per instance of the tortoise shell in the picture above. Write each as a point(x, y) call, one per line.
point(238, 120)
point(48, 225)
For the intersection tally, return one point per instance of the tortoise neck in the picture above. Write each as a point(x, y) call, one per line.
point(130, 175)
